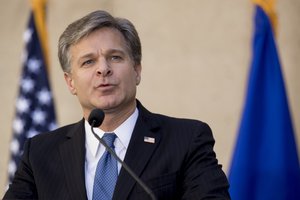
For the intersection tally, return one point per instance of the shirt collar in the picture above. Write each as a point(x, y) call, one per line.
point(123, 132)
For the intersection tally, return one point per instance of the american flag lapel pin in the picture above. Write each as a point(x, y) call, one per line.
point(149, 140)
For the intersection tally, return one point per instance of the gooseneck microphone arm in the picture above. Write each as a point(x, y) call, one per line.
point(95, 120)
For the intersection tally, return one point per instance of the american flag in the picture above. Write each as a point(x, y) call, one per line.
point(34, 104)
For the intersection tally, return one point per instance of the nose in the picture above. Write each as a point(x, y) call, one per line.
point(103, 68)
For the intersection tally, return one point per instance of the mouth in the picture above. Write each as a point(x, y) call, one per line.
point(105, 86)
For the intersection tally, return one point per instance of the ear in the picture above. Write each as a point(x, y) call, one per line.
point(70, 83)
point(138, 70)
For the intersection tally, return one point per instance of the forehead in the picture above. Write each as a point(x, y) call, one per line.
point(106, 34)
point(103, 39)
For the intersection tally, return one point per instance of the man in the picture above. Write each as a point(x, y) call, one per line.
point(101, 59)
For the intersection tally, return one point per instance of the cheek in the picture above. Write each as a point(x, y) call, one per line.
point(82, 82)
point(130, 79)
point(131, 82)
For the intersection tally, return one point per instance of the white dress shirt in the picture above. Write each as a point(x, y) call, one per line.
point(94, 150)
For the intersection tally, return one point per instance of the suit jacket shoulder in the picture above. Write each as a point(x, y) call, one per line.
point(178, 163)
point(52, 166)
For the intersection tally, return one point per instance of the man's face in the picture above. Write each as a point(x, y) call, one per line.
point(103, 74)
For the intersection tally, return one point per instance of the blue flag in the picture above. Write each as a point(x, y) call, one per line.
point(265, 164)
point(34, 104)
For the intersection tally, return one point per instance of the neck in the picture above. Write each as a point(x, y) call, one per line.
point(113, 119)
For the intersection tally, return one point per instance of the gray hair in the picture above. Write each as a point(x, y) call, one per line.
point(94, 21)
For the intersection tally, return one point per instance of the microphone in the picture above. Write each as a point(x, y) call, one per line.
point(95, 120)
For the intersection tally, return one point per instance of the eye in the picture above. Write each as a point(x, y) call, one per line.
point(116, 58)
point(88, 62)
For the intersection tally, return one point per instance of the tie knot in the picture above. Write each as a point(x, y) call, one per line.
point(109, 139)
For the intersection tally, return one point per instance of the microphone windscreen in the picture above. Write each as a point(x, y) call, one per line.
point(96, 117)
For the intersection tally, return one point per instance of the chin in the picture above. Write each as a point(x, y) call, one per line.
point(107, 106)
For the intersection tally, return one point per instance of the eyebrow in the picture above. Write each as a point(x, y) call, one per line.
point(121, 51)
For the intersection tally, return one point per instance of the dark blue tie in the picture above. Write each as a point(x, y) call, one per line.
point(106, 173)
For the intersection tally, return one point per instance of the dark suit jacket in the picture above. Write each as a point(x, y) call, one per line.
point(181, 164)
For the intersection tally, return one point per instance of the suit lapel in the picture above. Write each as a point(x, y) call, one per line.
point(73, 156)
point(138, 153)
